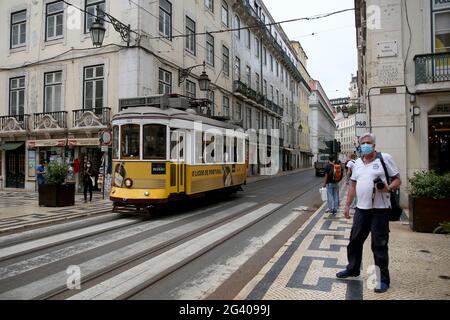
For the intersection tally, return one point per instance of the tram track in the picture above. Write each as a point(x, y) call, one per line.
point(90, 280)
point(286, 200)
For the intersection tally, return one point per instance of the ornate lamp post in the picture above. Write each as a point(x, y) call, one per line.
point(98, 30)
point(203, 80)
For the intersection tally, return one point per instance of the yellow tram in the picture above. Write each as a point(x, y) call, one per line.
point(164, 149)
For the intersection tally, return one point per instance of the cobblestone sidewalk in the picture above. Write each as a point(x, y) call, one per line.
point(305, 268)
point(19, 210)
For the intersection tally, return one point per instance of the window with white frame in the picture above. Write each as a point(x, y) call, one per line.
point(258, 120)
point(265, 55)
point(226, 60)
point(237, 68)
point(238, 111)
point(16, 96)
point(248, 74)
point(248, 118)
point(210, 49)
point(210, 95)
point(18, 29)
point(249, 39)
point(93, 87)
point(190, 32)
point(442, 31)
point(54, 20)
point(91, 12)
point(237, 25)
point(209, 4)
point(257, 47)
point(225, 13)
point(258, 83)
point(265, 87)
point(53, 91)
point(165, 18)
point(226, 106)
point(190, 89)
point(165, 81)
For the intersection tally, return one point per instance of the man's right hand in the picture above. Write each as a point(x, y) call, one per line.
point(347, 212)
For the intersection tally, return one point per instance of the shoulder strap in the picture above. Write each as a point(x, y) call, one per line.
point(380, 156)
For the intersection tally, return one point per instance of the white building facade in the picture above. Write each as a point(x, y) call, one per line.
point(321, 119)
point(59, 92)
point(404, 80)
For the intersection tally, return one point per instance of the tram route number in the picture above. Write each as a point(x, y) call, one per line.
point(258, 310)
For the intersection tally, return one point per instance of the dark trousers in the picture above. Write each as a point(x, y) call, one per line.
point(88, 185)
point(376, 222)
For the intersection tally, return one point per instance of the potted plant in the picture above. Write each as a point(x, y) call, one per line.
point(429, 200)
point(55, 192)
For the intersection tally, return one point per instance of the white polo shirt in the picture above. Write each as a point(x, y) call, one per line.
point(351, 164)
point(365, 174)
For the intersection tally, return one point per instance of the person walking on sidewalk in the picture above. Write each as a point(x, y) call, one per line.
point(333, 174)
point(372, 210)
point(88, 177)
point(40, 172)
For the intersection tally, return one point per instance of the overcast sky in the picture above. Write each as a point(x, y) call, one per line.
point(332, 50)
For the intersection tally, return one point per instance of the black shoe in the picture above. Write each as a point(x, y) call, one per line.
point(346, 274)
point(383, 288)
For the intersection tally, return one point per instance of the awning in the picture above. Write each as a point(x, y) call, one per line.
point(46, 143)
point(93, 142)
point(11, 146)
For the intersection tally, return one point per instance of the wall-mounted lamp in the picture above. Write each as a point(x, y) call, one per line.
point(415, 112)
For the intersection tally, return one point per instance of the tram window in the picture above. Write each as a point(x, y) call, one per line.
point(116, 142)
point(155, 146)
point(130, 141)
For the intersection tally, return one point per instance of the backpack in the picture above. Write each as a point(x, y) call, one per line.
point(337, 172)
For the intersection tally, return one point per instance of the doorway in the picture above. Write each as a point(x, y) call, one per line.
point(15, 165)
point(439, 143)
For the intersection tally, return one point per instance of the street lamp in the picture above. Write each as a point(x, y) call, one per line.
point(97, 33)
point(203, 80)
point(98, 30)
point(345, 112)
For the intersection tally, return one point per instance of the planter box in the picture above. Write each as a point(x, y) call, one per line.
point(426, 213)
point(51, 195)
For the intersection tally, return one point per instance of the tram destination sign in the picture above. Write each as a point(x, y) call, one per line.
point(155, 101)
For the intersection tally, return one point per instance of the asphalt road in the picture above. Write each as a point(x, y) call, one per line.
point(203, 249)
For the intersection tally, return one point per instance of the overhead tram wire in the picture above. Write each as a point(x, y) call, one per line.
point(184, 35)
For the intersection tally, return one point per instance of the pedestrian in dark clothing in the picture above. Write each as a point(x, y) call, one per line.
point(40, 172)
point(332, 188)
point(88, 177)
point(368, 183)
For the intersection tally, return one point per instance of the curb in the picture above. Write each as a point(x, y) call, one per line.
point(30, 226)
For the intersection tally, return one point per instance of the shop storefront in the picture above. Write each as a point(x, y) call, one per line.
point(85, 150)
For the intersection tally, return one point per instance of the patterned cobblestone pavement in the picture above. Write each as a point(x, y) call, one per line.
point(305, 267)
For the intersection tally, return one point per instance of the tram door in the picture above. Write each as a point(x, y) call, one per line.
point(177, 161)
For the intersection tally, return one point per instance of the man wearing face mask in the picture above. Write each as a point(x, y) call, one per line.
point(372, 210)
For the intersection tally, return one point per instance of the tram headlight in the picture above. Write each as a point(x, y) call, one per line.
point(128, 183)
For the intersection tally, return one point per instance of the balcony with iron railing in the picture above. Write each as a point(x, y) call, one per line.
point(51, 121)
point(14, 124)
point(433, 71)
point(86, 119)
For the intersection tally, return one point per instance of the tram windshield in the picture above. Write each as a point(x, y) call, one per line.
point(129, 148)
point(155, 137)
